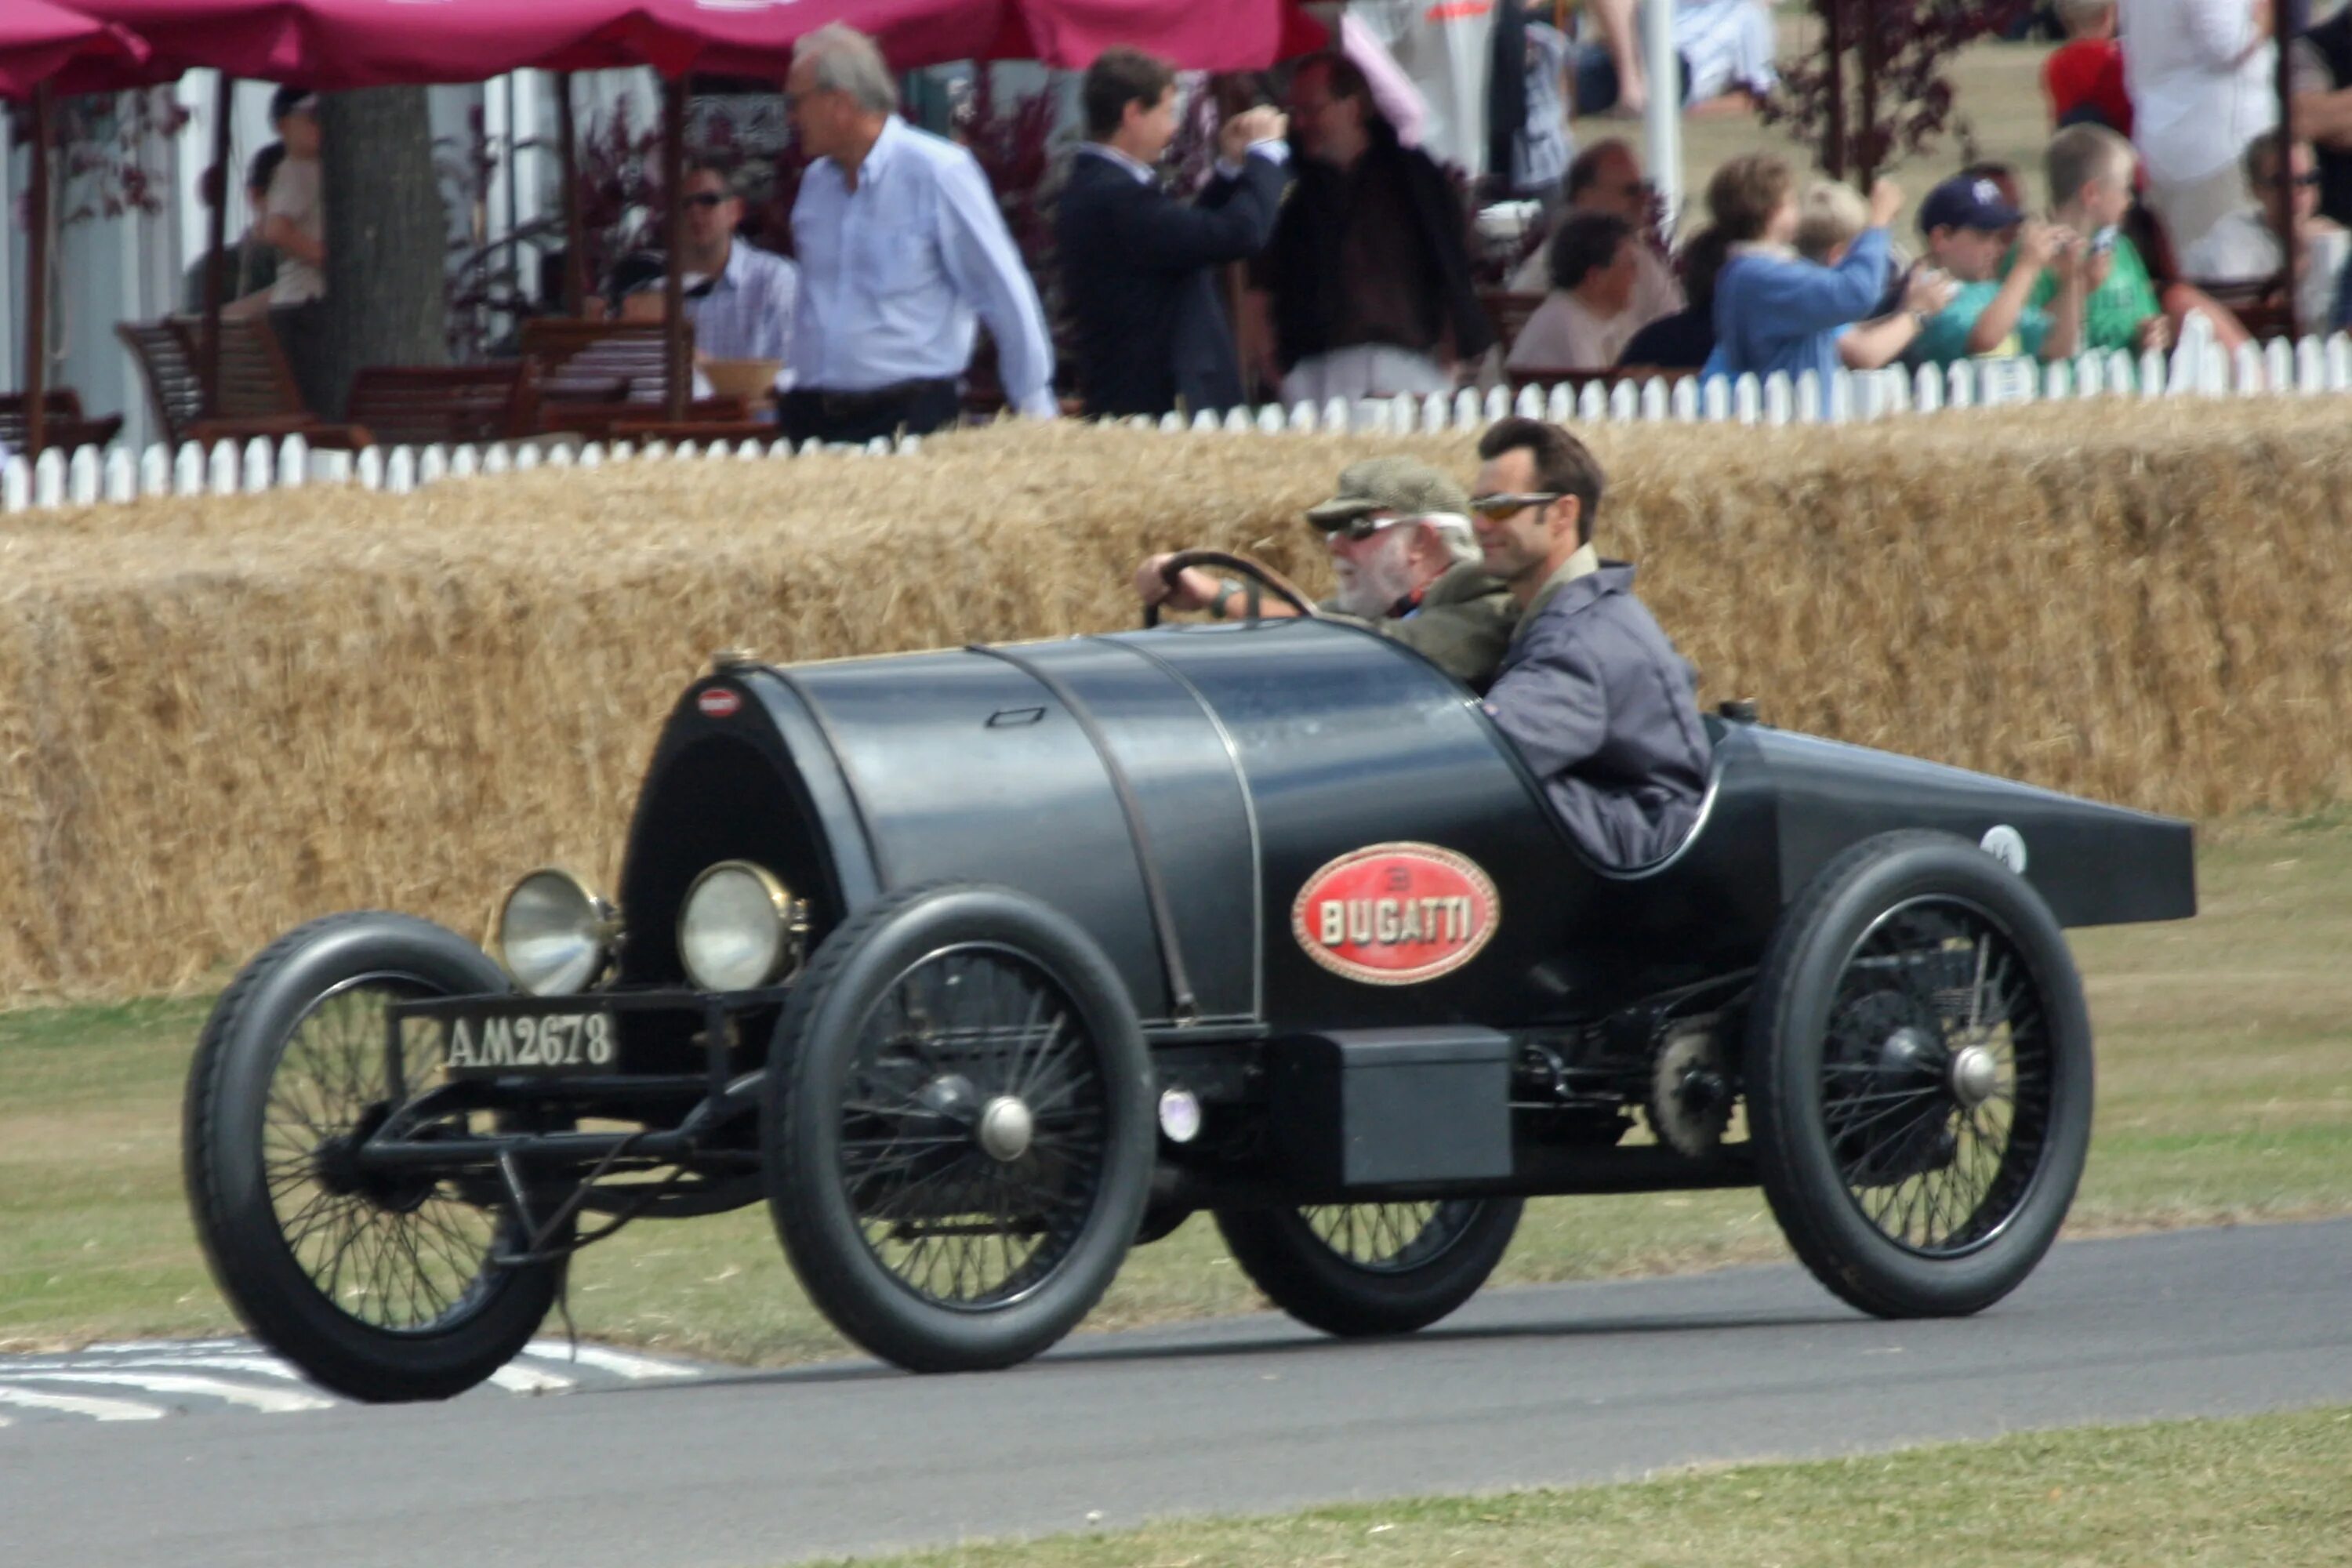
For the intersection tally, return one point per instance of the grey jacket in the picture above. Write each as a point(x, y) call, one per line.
point(1461, 624)
point(1606, 712)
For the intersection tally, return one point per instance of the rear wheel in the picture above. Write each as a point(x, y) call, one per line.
point(960, 1134)
point(1918, 1077)
point(1371, 1268)
point(379, 1287)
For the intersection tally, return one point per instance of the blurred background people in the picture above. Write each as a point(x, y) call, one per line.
point(1142, 272)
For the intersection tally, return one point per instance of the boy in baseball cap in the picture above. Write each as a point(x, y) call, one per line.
point(1969, 228)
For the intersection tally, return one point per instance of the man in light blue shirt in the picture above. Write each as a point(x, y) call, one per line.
point(901, 246)
point(742, 308)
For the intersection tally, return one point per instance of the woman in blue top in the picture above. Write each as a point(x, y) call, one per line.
point(1774, 309)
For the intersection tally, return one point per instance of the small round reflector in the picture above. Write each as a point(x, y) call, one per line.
point(1179, 1114)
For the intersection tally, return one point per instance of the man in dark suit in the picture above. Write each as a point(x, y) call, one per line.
point(1140, 269)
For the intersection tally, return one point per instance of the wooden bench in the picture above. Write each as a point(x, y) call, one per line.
point(64, 426)
point(442, 405)
point(610, 381)
point(265, 401)
point(257, 384)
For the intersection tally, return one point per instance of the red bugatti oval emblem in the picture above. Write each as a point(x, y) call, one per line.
point(1396, 914)
point(719, 703)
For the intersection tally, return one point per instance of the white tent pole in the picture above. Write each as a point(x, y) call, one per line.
point(1663, 122)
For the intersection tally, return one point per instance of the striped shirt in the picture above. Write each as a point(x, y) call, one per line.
point(747, 311)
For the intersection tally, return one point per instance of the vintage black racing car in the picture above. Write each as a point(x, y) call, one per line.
point(981, 967)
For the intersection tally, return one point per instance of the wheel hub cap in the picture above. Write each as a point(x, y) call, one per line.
point(1006, 1126)
point(1975, 1075)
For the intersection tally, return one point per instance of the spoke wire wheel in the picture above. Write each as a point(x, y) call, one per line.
point(972, 1132)
point(959, 1133)
point(1936, 1081)
point(403, 1255)
point(1370, 1268)
point(1919, 1077)
point(1390, 1238)
point(381, 1287)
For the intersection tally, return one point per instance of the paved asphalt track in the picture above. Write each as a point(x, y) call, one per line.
point(1556, 1384)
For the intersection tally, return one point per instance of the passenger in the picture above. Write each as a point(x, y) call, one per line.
point(1399, 533)
point(1591, 691)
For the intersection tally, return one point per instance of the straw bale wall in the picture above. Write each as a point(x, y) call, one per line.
point(221, 716)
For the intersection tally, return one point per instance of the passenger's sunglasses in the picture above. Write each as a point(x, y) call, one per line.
point(704, 199)
point(1495, 509)
point(1360, 528)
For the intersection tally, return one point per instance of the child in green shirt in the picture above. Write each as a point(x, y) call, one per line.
point(2090, 170)
point(1965, 220)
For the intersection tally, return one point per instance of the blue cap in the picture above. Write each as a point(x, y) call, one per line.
point(1966, 202)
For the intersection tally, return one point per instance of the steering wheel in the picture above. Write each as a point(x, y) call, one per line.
point(1273, 582)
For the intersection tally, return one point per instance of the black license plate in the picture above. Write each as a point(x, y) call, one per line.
point(510, 1040)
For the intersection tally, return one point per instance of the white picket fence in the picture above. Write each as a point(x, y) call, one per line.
point(2197, 367)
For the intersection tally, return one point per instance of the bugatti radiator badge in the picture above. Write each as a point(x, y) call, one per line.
point(1396, 914)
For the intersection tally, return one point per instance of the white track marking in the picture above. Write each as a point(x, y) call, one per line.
point(518, 1378)
point(621, 1364)
point(276, 1401)
point(260, 1365)
point(75, 1405)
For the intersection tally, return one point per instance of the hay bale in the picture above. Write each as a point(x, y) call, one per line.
point(222, 716)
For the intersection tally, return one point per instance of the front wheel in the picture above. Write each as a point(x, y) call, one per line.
point(1918, 1077)
point(381, 1287)
point(959, 1129)
point(1371, 1268)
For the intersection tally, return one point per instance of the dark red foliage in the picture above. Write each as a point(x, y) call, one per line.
point(111, 148)
point(1872, 88)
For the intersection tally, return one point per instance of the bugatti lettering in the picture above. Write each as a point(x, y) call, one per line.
point(553, 1041)
point(1392, 921)
point(1395, 914)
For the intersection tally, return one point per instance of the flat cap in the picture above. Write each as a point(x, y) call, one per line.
point(1406, 486)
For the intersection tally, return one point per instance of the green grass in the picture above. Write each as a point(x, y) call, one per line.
point(2267, 1493)
point(2225, 1095)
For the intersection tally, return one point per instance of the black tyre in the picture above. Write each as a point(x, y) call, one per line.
point(1918, 1077)
point(960, 1136)
point(379, 1288)
point(1371, 1268)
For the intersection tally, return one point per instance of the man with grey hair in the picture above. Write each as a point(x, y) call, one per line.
point(901, 246)
point(1408, 566)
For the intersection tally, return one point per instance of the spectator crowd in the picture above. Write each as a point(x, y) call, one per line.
point(1327, 253)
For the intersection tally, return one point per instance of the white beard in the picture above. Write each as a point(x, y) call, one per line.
point(1372, 583)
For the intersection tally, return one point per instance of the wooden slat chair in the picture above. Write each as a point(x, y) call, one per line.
point(448, 404)
point(1509, 313)
point(608, 379)
point(257, 384)
point(175, 391)
point(64, 426)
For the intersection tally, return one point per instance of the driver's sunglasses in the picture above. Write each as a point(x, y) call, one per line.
point(1495, 509)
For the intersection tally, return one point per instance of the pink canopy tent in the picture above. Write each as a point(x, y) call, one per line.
point(46, 48)
point(47, 45)
point(332, 45)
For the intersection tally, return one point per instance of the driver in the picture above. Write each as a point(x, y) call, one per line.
point(1408, 565)
point(1591, 691)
